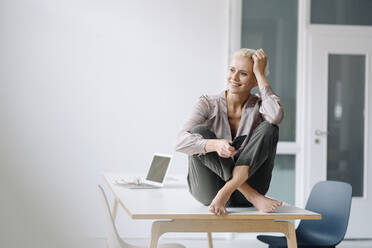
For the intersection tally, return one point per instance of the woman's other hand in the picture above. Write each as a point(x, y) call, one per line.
point(259, 65)
point(259, 62)
point(222, 147)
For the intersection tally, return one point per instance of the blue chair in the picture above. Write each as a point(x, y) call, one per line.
point(333, 201)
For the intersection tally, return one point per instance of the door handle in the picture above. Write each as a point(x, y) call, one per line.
point(321, 133)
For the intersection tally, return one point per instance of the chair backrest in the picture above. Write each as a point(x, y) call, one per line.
point(332, 200)
point(113, 238)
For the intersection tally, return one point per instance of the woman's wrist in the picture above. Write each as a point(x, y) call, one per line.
point(210, 145)
point(262, 81)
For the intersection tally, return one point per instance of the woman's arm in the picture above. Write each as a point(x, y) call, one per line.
point(271, 109)
point(193, 143)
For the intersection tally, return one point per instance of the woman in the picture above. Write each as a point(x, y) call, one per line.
point(218, 174)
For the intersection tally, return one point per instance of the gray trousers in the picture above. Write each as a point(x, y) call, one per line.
point(208, 173)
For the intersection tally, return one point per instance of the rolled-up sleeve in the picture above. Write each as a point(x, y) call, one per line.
point(193, 143)
point(271, 108)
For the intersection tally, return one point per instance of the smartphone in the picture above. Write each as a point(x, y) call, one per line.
point(238, 141)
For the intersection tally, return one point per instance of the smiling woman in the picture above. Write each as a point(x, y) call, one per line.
point(220, 175)
point(246, 52)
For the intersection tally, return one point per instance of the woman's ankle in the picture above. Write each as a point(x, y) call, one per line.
point(249, 193)
point(227, 189)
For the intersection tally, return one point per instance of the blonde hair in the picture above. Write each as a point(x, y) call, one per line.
point(246, 52)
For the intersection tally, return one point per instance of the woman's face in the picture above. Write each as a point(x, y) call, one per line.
point(240, 76)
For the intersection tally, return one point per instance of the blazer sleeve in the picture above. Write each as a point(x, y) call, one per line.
point(271, 108)
point(193, 143)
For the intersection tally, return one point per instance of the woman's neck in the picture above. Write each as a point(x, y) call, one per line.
point(236, 101)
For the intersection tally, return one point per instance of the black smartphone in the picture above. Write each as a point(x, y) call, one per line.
point(238, 141)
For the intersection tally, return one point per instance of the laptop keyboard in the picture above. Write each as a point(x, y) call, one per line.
point(133, 184)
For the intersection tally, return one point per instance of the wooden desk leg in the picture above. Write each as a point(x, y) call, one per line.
point(291, 235)
point(160, 227)
point(115, 208)
point(156, 232)
point(210, 241)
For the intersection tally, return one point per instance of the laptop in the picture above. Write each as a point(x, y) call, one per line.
point(155, 176)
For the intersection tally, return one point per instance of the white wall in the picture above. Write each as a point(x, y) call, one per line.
point(93, 86)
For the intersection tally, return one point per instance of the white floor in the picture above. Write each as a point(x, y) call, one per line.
point(247, 243)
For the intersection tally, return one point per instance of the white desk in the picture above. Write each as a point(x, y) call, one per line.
point(176, 210)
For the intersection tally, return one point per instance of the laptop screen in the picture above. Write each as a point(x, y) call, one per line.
point(158, 168)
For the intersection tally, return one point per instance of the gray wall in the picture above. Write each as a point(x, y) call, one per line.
point(88, 87)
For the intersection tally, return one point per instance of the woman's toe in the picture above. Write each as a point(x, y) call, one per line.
point(217, 210)
point(211, 209)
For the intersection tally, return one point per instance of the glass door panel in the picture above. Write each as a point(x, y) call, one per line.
point(272, 25)
point(341, 12)
point(345, 146)
point(283, 183)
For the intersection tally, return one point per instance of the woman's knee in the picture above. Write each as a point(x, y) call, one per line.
point(260, 147)
point(268, 130)
point(200, 129)
point(204, 131)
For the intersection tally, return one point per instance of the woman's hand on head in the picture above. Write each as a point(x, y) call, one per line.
point(224, 148)
point(259, 62)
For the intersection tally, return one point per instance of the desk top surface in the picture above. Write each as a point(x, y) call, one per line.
point(175, 202)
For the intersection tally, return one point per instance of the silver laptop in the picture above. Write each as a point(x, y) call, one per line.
point(155, 176)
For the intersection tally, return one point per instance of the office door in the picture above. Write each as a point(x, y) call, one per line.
point(340, 119)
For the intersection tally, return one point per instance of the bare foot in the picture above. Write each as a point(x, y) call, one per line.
point(218, 204)
point(265, 204)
